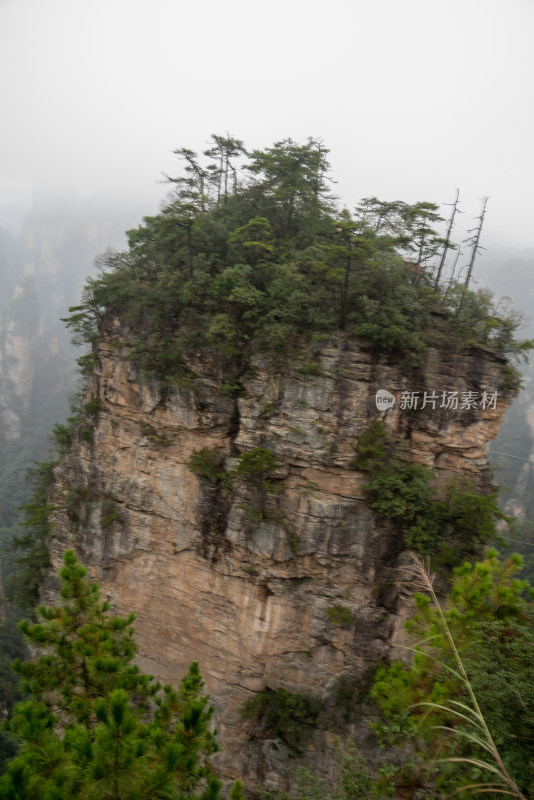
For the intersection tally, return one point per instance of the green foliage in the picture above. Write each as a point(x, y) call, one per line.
point(451, 529)
point(111, 514)
point(151, 433)
point(310, 368)
point(271, 261)
point(237, 792)
point(480, 320)
point(339, 615)
point(252, 513)
point(34, 557)
point(63, 436)
point(12, 647)
point(92, 407)
point(487, 628)
point(392, 314)
point(258, 467)
point(24, 499)
point(93, 725)
point(207, 464)
point(402, 492)
point(469, 519)
point(86, 364)
point(345, 700)
point(257, 470)
point(293, 539)
point(351, 780)
point(290, 716)
point(499, 661)
point(251, 242)
point(523, 533)
point(63, 433)
point(371, 449)
point(231, 388)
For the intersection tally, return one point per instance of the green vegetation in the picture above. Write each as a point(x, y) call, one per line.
point(92, 407)
point(86, 435)
point(459, 719)
point(352, 781)
point(30, 543)
point(272, 260)
point(339, 615)
point(250, 257)
point(258, 468)
point(452, 528)
point(110, 514)
point(255, 468)
point(34, 558)
point(207, 464)
point(402, 492)
point(290, 716)
point(310, 368)
point(237, 792)
point(252, 513)
point(25, 524)
point(372, 449)
point(293, 539)
point(343, 704)
point(293, 716)
point(92, 725)
point(523, 543)
point(468, 521)
point(467, 700)
point(12, 647)
point(151, 433)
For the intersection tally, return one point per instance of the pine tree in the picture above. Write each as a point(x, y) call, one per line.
point(465, 704)
point(93, 725)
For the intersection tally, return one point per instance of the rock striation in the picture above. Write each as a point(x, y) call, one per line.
point(248, 594)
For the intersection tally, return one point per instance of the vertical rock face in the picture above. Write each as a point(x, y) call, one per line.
point(512, 454)
point(39, 284)
point(42, 268)
point(246, 584)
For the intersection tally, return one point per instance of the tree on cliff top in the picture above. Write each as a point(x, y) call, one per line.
point(275, 259)
point(93, 725)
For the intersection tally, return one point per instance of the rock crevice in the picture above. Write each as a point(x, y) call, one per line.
point(248, 596)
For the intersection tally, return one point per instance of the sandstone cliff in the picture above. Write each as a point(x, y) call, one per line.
point(248, 597)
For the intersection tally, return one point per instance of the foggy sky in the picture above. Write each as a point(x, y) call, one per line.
point(413, 97)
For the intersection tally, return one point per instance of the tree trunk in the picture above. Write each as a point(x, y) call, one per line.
point(190, 250)
point(447, 240)
point(476, 245)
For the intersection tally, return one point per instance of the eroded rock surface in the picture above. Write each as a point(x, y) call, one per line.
point(210, 581)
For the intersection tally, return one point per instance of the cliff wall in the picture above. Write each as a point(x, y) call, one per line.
point(247, 592)
point(42, 269)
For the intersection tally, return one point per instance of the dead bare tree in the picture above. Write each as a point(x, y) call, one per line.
point(474, 241)
point(447, 244)
point(450, 284)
